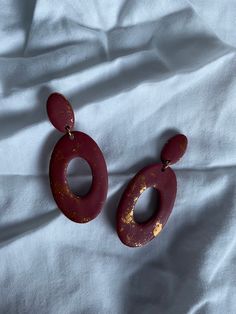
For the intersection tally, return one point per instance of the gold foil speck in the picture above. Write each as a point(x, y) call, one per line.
point(142, 189)
point(157, 229)
point(128, 219)
point(76, 148)
point(85, 219)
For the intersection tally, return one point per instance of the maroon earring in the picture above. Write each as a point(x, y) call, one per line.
point(159, 176)
point(74, 144)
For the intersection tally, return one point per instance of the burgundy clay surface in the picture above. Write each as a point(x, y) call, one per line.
point(75, 144)
point(159, 176)
point(135, 234)
point(60, 112)
point(85, 208)
point(174, 149)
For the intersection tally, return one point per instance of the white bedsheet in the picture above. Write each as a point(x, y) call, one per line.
point(135, 72)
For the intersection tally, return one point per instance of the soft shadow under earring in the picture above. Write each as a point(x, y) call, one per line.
point(74, 144)
point(159, 176)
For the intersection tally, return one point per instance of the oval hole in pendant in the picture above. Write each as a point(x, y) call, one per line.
point(79, 176)
point(147, 205)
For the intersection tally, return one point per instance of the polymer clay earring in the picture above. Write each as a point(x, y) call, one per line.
point(73, 144)
point(159, 176)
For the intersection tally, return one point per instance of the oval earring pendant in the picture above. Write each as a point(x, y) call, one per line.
point(159, 176)
point(75, 144)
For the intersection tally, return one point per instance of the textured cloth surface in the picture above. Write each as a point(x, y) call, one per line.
point(135, 72)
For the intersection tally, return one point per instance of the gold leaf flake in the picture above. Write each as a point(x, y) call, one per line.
point(157, 229)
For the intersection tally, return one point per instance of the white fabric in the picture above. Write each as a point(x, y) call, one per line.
point(135, 72)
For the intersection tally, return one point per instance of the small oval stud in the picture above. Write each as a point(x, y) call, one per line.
point(174, 149)
point(60, 112)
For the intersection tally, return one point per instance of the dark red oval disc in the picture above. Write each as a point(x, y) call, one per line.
point(174, 149)
point(85, 208)
point(135, 234)
point(60, 112)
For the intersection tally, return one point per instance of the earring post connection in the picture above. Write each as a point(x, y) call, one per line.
point(68, 130)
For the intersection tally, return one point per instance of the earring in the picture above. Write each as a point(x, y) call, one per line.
point(74, 144)
point(159, 176)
